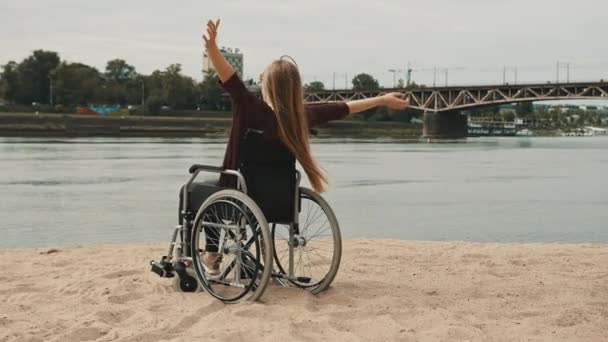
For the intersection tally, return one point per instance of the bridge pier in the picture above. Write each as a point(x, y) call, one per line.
point(445, 125)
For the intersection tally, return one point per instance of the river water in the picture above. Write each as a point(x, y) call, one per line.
point(57, 192)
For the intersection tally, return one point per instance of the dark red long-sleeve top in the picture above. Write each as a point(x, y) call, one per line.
point(248, 111)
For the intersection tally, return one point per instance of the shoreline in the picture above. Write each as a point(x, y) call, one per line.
point(386, 290)
point(349, 240)
point(212, 126)
point(208, 125)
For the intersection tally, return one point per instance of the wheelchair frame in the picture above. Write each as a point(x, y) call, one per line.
point(177, 262)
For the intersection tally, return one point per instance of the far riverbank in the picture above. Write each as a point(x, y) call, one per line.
point(212, 126)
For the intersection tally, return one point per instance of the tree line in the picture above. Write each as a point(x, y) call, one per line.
point(43, 79)
point(543, 116)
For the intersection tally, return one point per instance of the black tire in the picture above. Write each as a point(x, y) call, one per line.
point(226, 214)
point(185, 284)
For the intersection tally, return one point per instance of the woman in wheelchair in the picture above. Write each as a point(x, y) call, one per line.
point(231, 228)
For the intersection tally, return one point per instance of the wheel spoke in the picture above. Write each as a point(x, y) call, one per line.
point(315, 245)
point(237, 231)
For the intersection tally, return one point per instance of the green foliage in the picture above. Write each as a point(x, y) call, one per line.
point(154, 104)
point(180, 91)
point(10, 82)
point(524, 109)
point(365, 82)
point(122, 85)
point(76, 83)
point(406, 115)
point(486, 112)
point(28, 81)
point(34, 72)
point(386, 114)
point(508, 116)
point(413, 85)
point(117, 70)
point(210, 92)
point(383, 114)
point(171, 88)
point(314, 86)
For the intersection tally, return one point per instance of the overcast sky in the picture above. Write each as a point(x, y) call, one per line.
point(476, 37)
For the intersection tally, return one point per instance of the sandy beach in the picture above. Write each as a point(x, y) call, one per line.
point(386, 290)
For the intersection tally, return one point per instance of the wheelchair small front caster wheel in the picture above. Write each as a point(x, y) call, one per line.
point(185, 284)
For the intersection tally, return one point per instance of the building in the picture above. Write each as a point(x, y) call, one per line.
point(233, 56)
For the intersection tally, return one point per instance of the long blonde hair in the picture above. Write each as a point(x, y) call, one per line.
point(282, 90)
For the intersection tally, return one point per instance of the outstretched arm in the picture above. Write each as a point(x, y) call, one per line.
point(322, 113)
point(222, 68)
point(390, 100)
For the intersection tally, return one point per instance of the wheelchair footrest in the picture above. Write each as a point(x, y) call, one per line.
point(163, 268)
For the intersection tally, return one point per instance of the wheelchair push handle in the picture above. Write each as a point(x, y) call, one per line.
point(209, 168)
point(196, 168)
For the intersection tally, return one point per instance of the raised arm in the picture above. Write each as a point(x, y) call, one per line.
point(391, 100)
point(222, 68)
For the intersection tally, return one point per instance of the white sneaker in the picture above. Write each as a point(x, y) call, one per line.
point(211, 263)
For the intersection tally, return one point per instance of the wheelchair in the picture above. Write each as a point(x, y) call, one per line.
point(301, 250)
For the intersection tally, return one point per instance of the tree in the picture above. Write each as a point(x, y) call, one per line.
point(153, 104)
point(180, 90)
point(210, 91)
point(171, 88)
point(405, 115)
point(314, 86)
point(383, 114)
point(122, 83)
point(524, 109)
point(365, 82)
point(119, 71)
point(508, 116)
point(77, 84)
point(10, 82)
point(34, 72)
point(413, 85)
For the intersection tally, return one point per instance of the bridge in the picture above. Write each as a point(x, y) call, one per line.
point(442, 105)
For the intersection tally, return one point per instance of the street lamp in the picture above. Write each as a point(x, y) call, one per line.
point(143, 92)
point(334, 80)
point(561, 65)
point(394, 71)
point(50, 90)
point(504, 74)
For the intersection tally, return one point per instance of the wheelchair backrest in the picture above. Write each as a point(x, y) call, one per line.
point(269, 169)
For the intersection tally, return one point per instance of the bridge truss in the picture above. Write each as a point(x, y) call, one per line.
point(441, 99)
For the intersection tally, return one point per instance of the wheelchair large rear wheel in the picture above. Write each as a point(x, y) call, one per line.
point(314, 248)
point(231, 224)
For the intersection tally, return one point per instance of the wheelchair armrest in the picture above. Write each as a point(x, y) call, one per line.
point(210, 168)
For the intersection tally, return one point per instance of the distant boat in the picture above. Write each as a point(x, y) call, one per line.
point(490, 128)
point(524, 133)
point(595, 131)
point(588, 131)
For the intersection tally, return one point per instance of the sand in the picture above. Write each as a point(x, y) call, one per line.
point(386, 290)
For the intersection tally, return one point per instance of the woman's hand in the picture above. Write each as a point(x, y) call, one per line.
point(395, 101)
point(210, 37)
point(391, 100)
point(223, 69)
